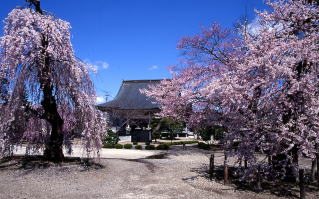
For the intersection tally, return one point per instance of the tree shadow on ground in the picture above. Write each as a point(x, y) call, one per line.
point(179, 150)
point(277, 187)
point(149, 165)
point(162, 155)
point(31, 163)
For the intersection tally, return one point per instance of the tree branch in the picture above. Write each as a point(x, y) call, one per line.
point(36, 4)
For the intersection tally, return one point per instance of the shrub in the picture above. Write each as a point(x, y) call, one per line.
point(203, 145)
point(138, 146)
point(147, 143)
point(127, 146)
point(119, 146)
point(163, 147)
point(135, 143)
point(108, 145)
point(150, 147)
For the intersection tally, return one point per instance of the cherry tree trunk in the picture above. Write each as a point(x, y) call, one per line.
point(54, 146)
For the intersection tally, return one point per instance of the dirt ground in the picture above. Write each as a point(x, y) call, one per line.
point(169, 174)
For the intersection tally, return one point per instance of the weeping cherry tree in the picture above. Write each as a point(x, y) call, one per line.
point(50, 95)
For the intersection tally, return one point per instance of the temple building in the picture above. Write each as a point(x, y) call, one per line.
point(130, 112)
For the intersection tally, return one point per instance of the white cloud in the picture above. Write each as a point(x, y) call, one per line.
point(100, 99)
point(154, 67)
point(103, 65)
point(97, 65)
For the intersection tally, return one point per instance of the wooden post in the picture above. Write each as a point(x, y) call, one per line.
point(301, 184)
point(225, 170)
point(245, 164)
point(211, 166)
point(317, 157)
point(269, 159)
point(258, 180)
point(313, 170)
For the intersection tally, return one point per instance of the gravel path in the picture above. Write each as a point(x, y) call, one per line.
point(104, 153)
point(181, 174)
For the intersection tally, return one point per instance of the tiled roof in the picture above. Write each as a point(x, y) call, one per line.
point(129, 96)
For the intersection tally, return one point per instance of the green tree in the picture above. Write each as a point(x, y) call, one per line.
point(111, 138)
point(169, 125)
point(206, 132)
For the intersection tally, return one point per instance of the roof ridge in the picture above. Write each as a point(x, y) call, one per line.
point(142, 81)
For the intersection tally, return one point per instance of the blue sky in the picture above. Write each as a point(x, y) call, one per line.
point(136, 39)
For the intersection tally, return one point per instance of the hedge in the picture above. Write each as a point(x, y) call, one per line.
point(162, 147)
point(182, 142)
point(108, 145)
point(119, 146)
point(150, 147)
point(128, 146)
